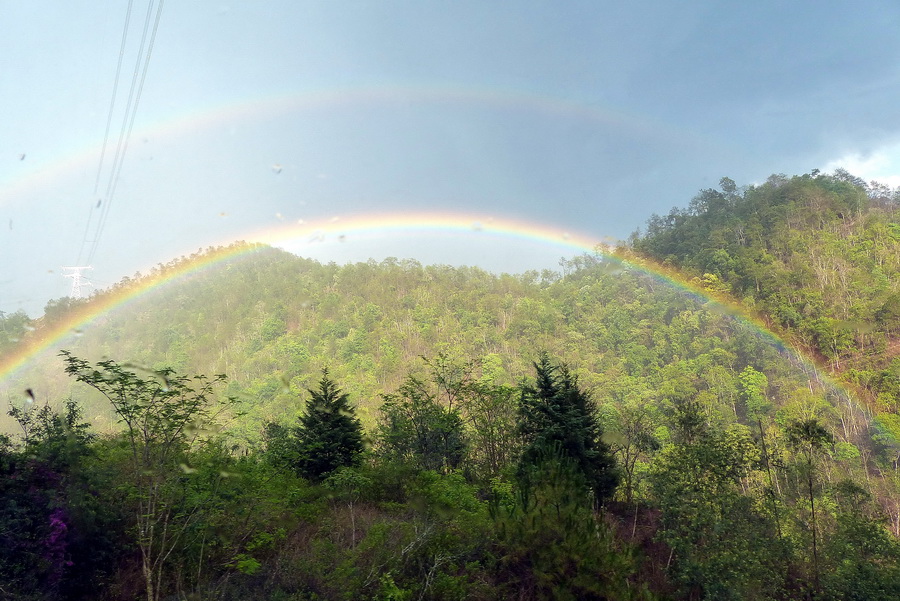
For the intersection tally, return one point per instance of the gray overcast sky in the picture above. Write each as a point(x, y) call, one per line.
point(584, 116)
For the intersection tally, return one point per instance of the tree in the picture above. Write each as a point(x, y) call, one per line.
point(416, 428)
point(810, 440)
point(722, 546)
point(862, 559)
point(753, 386)
point(13, 326)
point(552, 545)
point(329, 435)
point(59, 535)
point(556, 413)
point(633, 440)
point(490, 411)
point(165, 416)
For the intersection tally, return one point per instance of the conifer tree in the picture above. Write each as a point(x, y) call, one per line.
point(559, 417)
point(329, 435)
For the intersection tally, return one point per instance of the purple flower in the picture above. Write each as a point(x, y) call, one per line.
point(55, 546)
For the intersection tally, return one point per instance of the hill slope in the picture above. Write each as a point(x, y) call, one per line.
point(716, 427)
point(271, 321)
point(818, 254)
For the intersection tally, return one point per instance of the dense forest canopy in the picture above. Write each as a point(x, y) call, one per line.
point(408, 431)
point(818, 254)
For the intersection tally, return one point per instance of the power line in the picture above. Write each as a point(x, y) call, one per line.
point(87, 228)
point(129, 117)
point(138, 78)
point(115, 179)
point(112, 100)
point(109, 118)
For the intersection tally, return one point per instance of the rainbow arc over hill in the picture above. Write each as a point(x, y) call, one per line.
point(81, 157)
point(54, 338)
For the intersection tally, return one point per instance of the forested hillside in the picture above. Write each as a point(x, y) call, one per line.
point(817, 254)
point(389, 430)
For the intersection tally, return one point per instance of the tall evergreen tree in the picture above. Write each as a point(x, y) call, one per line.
point(329, 435)
point(558, 417)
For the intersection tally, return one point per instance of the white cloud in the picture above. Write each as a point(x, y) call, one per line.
point(882, 165)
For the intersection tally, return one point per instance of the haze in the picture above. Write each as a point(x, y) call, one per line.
point(584, 117)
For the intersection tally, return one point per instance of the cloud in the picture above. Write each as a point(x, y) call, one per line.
point(882, 165)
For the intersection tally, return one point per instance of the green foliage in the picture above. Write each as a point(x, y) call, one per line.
point(384, 526)
point(557, 415)
point(811, 251)
point(329, 435)
point(551, 545)
point(59, 532)
point(491, 412)
point(809, 437)
point(864, 561)
point(753, 392)
point(810, 440)
point(723, 546)
point(416, 428)
point(165, 416)
point(13, 328)
point(676, 383)
point(631, 433)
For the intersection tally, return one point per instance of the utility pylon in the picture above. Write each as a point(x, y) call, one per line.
point(78, 281)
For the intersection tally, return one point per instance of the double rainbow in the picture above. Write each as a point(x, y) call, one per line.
point(294, 237)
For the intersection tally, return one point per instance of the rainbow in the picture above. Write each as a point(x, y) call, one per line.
point(295, 237)
point(81, 158)
point(53, 338)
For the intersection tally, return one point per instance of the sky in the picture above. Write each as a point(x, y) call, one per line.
point(281, 121)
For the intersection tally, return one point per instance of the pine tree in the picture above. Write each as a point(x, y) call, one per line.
point(329, 435)
point(558, 417)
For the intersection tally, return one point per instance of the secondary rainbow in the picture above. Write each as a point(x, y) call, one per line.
point(82, 157)
point(54, 338)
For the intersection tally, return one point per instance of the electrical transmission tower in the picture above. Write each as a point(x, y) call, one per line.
point(78, 280)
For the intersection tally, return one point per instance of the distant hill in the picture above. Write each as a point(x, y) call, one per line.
point(815, 255)
point(818, 255)
point(742, 355)
point(271, 321)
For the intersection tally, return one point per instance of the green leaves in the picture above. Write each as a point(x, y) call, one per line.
point(165, 417)
point(557, 415)
point(723, 546)
point(808, 436)
point(329, 435)
point(160, 411)
point(416, 428)
point(753, 392)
